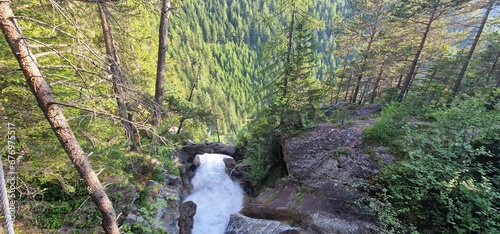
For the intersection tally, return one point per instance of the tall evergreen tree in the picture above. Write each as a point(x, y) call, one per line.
point(461, 75)
point(296, 92)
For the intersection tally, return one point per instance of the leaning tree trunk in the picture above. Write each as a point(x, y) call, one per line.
point(461, 75)
point(160, 67)
point(492, 69)
point(118, 76)
point(363, 66)
point(409, 75)
point(54, 115)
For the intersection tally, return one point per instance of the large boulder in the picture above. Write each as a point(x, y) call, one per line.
point(239, 224)
point(328, 172)
point(186, 219)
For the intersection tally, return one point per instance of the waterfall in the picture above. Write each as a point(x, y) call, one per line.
point(215, 194)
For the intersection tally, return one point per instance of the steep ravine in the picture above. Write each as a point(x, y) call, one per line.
point(329, 167)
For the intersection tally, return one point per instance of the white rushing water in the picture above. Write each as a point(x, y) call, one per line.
point(215, 195)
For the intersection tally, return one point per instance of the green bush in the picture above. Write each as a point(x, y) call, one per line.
point(389, 126)
point(447, 184)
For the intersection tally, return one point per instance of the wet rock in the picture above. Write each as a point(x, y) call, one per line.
point(239, 173)
point(186, 219)
point(239, 224)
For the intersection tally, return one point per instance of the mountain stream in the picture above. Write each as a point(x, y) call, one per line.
point(215, 194)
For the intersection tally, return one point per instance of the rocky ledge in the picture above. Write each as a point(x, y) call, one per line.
point(329, 170)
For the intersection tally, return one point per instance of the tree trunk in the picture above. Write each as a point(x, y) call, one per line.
point(289, 51)
point(492, 69)
point(118, 76)
point(54, 115)
point(161, 65)
point(348, 87)
point(430, 82)
point(461, 75)
point(412, 80)
point(414, 63)
point(377, 84)
point(399, 80)
point(362, 99)
point(342, 77)
point(358, 85)
point(363, 66)
point(189, 100)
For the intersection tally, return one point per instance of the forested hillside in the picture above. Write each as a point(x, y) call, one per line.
point(252, 72)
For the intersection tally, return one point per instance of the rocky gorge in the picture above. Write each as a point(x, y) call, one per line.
point(329, 169)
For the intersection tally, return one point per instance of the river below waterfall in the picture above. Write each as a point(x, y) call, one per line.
point(215, 194)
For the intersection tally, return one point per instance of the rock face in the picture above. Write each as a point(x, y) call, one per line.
point(161, 203)
point(186, 220)
point(239, 173)
point(239, 224)
point(327, 169)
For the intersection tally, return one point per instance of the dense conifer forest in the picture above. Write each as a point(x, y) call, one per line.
point(253, 73)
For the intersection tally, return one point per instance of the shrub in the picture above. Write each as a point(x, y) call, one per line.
point(447, 184)
point(389, 126)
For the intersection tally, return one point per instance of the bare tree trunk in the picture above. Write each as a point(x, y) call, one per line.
point(348, 87)
point(461, 75)
point(430, 82)
point(193, 87)
point(363, 65)
point(362, 99)
point(492, 69)
point(342, 76)
point(399, 81)
point(412, 80)
point(414, 63)
point(161, 65)
point(376, 86)
point(117, 73)
point(289, 52)
point(54, 115)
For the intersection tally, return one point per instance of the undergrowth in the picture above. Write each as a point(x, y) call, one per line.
point(449, 181)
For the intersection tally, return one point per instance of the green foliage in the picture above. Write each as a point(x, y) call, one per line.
point(148, 211)
point(59, 209)
point(449, 182)
point(389, 126)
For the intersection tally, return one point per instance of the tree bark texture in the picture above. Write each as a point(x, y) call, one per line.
point(117, 73)
point(461, 75)
point(289, 51)
point(55, 116)
point(414, 63)
point(161, 65)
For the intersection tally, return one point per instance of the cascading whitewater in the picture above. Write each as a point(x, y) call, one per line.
point(215, 194)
